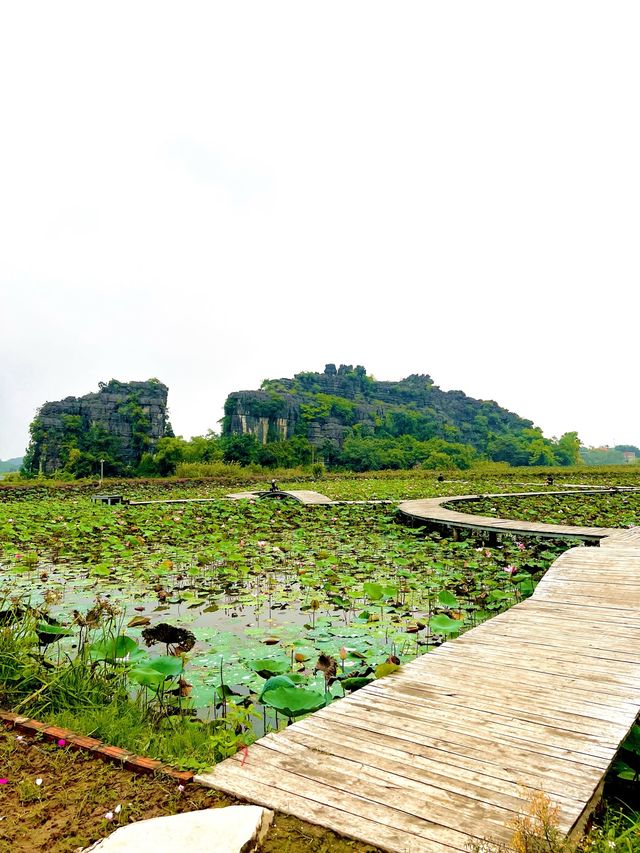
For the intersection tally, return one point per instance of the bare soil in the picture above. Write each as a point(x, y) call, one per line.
point(72, 805)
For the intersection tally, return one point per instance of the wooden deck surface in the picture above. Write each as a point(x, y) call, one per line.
point(449, 748)
point(432, 512)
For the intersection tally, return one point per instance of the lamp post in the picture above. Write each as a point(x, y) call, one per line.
point(101, 472)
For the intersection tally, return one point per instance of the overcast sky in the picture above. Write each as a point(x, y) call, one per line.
point(216, 193)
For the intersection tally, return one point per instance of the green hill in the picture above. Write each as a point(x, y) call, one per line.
point(350, 419)
point(8, 465)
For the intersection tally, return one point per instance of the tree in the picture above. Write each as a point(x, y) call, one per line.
point(567, 450)
point(243, 449)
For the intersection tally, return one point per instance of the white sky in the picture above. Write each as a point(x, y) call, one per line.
point(216, 193)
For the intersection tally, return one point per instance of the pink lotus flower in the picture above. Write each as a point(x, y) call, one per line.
point(521, 545)
point(18, 556)
point(62, 742)
point(108, 815)
point(510, 570)
point(4, 781)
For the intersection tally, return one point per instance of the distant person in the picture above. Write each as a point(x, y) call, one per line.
point(549, 479)
point(274, 487)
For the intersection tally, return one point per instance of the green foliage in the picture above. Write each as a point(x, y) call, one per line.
point(375, 454)
point(628, 448)
point(530, 447)
point(171, 451)
point(269, 404)
point(113, 691)
point(243, 449)
point(77, 445)
point(325, 406)
point(286, 454)
point(10, 465)
point(318, 471)
point(360, 424)
point(617, 509)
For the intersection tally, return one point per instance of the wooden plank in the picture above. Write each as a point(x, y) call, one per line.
point(545, 702)
point(575, 616)
point(530, 673)
point(499, 757)
point(616, 685)
point(380, 769)
point(536, 736)
point(317, 811)
point(619, 602)
point(340, 798)
point(485, 680)
point(507, 705)
point(443, 775)
point(544, 660)
point(457, 766)
point(396, 716)
point(432, 510)
point(587, 649)
point(419, 799)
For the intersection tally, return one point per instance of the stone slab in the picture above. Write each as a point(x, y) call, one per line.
point(234, 829)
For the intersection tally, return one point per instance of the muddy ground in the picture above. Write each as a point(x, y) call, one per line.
point(76, 803)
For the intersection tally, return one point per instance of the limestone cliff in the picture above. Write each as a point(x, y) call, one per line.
point(119, 422)
point(326, 407)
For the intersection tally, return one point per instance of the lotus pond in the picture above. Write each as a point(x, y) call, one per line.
point(617, 509)
point(328, 597)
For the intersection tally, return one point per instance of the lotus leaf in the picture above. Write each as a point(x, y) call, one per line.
point(294, 701)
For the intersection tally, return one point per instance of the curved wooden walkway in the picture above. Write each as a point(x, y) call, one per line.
point(303, 496)
point(450, 748)
point(431, 513)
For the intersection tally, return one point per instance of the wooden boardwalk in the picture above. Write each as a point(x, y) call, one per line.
point(303, 496)
point(432, 513)
point(451, 747)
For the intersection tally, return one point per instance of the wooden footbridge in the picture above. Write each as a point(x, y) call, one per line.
point(433, 512)
point(450, 749)
point(303, 496)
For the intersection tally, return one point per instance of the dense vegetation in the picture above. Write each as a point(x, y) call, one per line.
point(355, 422)
point(620, 509)
point(279, 608)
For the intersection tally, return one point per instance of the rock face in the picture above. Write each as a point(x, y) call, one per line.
point(132, 414)
point(324, 407)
